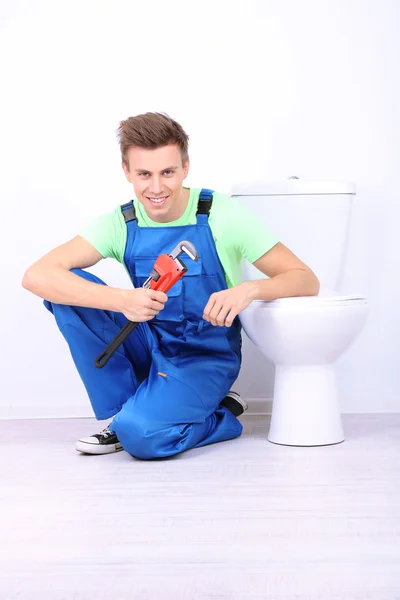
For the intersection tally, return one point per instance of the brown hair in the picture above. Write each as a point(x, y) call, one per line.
point(151, 130)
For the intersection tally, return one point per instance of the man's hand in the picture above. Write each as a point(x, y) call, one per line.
point(223, 307)
point(142, 304)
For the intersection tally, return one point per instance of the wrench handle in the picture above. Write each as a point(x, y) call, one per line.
point(107, 353)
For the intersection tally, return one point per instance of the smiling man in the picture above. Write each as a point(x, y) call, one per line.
point(168, 388)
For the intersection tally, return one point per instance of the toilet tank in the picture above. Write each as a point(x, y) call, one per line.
point(312, 218)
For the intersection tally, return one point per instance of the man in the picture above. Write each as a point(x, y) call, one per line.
point(168, 386)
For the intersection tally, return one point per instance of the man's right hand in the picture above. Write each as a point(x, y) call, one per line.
point(142, 304)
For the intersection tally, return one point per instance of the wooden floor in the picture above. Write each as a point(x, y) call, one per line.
point(245, 519)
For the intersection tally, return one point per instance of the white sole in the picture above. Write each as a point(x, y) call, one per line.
point(239, 399)
point(87, 448)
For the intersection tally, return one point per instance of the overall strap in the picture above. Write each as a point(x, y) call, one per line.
point(128, 210)
point(204, 205)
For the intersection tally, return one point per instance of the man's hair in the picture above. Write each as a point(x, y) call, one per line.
point(151, 130)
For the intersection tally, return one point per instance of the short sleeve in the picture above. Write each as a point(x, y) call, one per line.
point(246, 233)
point(107, 233)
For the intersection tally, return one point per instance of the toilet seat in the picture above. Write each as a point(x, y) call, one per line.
point(326, 298)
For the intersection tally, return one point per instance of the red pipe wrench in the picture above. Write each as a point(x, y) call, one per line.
point(167, 270)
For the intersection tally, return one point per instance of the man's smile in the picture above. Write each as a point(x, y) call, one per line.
point(157, 201)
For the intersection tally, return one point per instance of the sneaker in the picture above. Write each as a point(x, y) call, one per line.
point(235, 403)
point(104, 442)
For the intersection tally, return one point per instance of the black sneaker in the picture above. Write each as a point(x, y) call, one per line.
point(104, 442)
point(235, 403)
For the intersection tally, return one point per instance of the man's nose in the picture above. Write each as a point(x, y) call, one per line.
point(155, 186)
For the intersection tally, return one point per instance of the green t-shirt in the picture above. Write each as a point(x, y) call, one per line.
point(236, 231)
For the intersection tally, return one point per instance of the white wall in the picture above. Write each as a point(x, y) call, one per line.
point(264, 88)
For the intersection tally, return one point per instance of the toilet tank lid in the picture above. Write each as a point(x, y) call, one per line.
point(292, 187)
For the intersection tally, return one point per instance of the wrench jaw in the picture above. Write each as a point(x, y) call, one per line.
point(180, 264)
point(187, 247)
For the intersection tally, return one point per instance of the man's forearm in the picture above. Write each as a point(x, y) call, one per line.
point(61, 286)
point(296, 282)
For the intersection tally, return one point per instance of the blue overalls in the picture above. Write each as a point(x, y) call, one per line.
point(164, 384)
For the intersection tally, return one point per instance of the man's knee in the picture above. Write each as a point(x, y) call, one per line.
point(142, 438)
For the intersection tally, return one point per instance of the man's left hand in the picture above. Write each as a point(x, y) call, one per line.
point(222, 307)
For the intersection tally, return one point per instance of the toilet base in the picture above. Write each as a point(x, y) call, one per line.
point(305, 409)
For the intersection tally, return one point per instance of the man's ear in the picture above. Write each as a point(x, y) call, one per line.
point(126, 171)
point(186, 168)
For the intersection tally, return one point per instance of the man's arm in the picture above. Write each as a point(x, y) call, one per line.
point(289, 276)
point(50, 277)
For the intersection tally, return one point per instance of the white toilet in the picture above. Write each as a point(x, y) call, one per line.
point(304, 336)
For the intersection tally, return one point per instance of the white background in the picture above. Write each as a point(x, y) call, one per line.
point(265, 89)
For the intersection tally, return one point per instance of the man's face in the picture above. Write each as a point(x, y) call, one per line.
point(157, 177)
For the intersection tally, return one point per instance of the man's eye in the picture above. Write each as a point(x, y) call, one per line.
point(167, 172)
point(143, 174)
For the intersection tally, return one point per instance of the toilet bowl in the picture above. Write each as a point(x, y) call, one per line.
point(303, 337)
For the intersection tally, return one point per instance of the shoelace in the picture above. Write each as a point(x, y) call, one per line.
point(106, 432)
